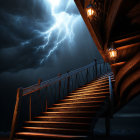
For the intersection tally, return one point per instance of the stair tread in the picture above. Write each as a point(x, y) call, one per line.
point(61, 117)
point(46, 122)
point(64, 129)
point(77, 99)
point(94, 97)
point(88, 93)
point(28, 134)
point(79, 102)
point(75, 107)
point(81, 91)
point(70, 112)
point(94, 86)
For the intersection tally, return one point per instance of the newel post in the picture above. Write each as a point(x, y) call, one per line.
point(16, 112)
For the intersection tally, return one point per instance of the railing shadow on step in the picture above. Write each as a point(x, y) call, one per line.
point(49, 92)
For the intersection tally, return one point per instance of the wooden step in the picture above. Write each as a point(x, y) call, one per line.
point(79, 99)
point(75, 108)
point(88, 94)
point(73, 113)
point(63, 119)
point(39, 136)
point(88, 91)
point(63, 131)
point(93, 87)
point(88, 103)
point(53, 124)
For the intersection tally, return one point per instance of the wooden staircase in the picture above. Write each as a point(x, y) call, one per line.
point(73, 117)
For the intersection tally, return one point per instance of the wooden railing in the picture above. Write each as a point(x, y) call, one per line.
point(58, 87)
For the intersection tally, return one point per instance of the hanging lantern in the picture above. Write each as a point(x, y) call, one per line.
point(112, 53)
point(90, 11)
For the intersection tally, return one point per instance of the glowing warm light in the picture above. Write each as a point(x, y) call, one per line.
point(90, 11)
point(112, 53)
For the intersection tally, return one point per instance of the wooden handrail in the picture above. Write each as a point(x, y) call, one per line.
point(44, 84)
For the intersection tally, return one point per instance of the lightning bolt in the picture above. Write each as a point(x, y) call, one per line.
point(62, 27)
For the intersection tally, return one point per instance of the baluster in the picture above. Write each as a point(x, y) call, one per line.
point(39, 83)
point(30, 108)
point(68, 84)
point(46, 104)
point(95, 68)
point(93, 72)
point(87, 75)
point(76, 81)
point(59, 75)
point(100, 69)
point(71, 83)
point(64, 87)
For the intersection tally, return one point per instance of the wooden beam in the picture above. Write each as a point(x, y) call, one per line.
point(127, 39)
point(91, 29)
point(111, 17)
point(126, 47)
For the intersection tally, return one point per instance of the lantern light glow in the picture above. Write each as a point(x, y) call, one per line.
point(112, 53)
point(90, 11)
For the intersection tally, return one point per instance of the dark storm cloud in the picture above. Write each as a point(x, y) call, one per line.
point(20, 24)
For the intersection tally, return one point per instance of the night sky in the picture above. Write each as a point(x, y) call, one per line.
point(39, 39)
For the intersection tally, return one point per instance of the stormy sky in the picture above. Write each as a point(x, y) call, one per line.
point(39, 39)
point(41, 36)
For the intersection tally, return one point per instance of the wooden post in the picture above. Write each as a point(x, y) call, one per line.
point(87, 75)
point(46, 107)
point(39, 82)
point(100, 69)
point(30, 108)
point(95, 68)
point(59, 75)
point(68, 84)
point(76, 81)
point(16, 112)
